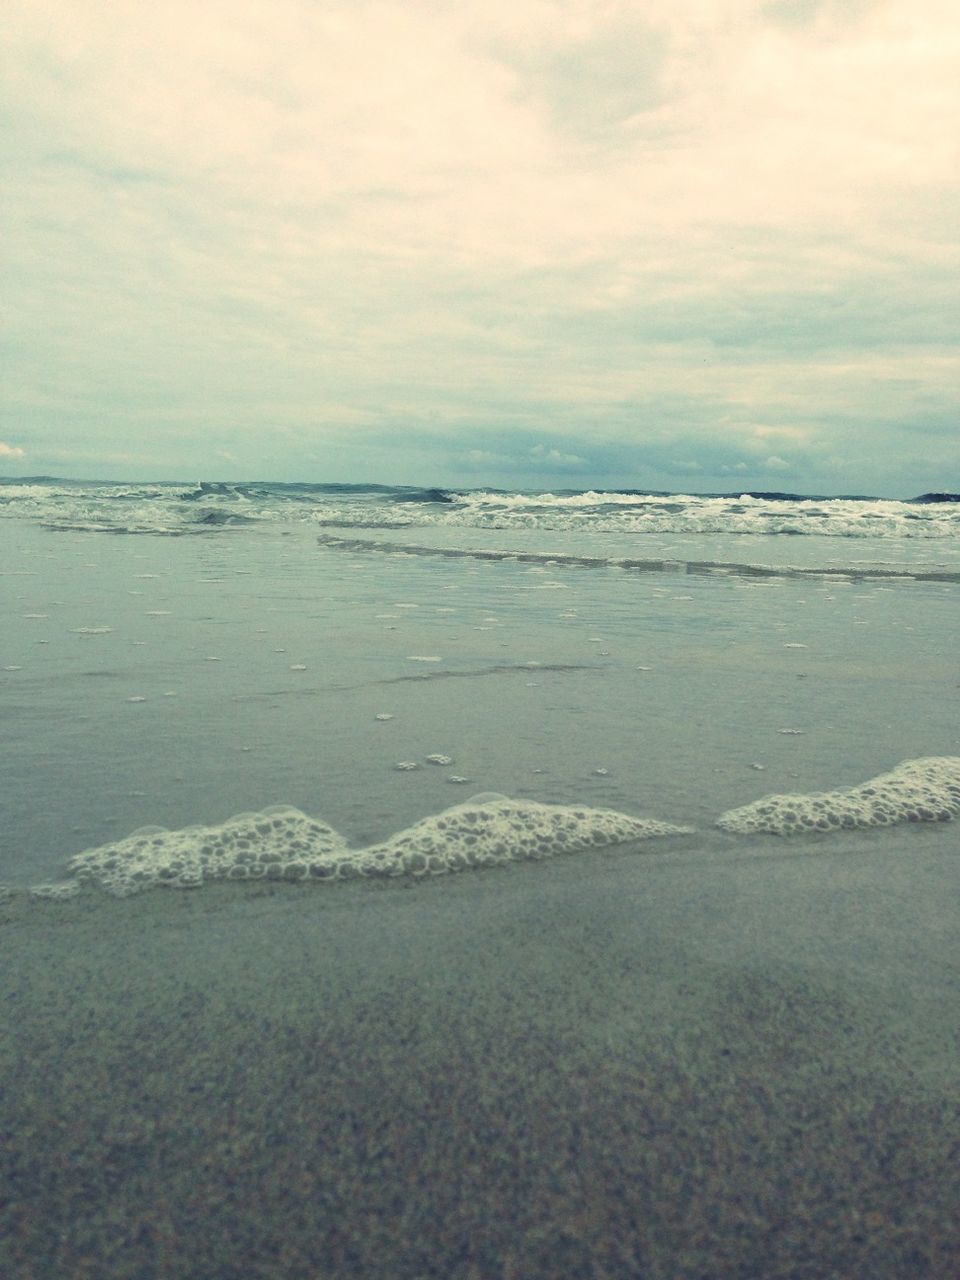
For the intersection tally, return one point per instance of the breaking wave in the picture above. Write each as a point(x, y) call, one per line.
point(170, 508)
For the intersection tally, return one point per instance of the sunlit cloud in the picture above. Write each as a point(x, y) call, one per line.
point(540, 237)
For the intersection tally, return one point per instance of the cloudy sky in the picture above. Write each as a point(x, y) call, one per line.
point(683, 244)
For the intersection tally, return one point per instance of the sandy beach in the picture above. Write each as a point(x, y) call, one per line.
point(740, 1063)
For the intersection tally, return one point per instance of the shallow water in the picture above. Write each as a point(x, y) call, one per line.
point(175, 681)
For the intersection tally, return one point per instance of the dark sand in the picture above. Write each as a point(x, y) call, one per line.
point(668, 1065)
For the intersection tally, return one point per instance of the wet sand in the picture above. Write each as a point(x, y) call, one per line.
point(726, 1064)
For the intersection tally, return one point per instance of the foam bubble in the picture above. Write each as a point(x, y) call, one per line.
point(284, 844)
point(489, 830)
point(55, 890)
point(437, 758)
point(278, 844)
point(926, 790)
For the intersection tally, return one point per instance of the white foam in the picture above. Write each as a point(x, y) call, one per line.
point(926, 790)
point(280, 843)
point(490, 829)
point(284, 844)
point(55, 890)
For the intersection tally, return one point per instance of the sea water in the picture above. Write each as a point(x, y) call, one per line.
point(688, 1005)
point(373, 657)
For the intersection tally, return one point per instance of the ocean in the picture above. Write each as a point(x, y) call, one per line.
point(573, 882)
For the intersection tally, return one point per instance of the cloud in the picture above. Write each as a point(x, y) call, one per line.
point(555, 457)
point(293, 231)
point(11, 451)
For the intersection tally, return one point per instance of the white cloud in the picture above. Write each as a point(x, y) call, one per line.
point(11, 451)
point(428, 125)
point(737, 215)
point(542, 453)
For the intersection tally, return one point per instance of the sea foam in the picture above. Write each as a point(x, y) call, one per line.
point(925, 790)
point(284, 844)
point(279, 843)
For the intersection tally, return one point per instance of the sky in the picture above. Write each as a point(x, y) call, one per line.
point(696, 245)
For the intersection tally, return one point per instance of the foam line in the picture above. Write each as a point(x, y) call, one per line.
point(284, 844)
point(924, 790)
